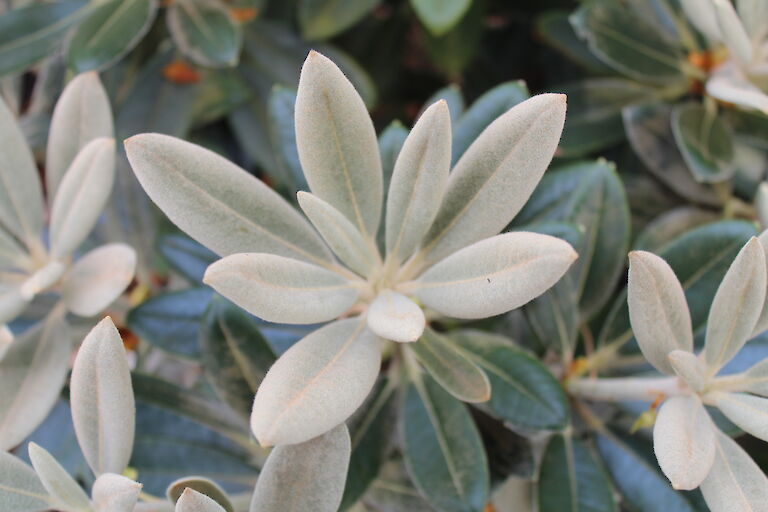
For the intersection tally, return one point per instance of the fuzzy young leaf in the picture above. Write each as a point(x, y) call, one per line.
point(20, 488)
point(395, 317)
point(689, 368)
point(98, 278)
point(339, 233)
point(496, 175)
point(103, 409)
point(81, 115)
point(281, 290)
point(735, 482)
point(198, 486)
point(42, 279)
point(219, 204)
point(658, 311)
point(737, 306)
point(59, 484)
point(451, 368)
point(12, 303)
point(732, 30)
point(494, 276)
point(703, 16)
point(205, 31)
point(748, 412)
point(193, 501)
point(337, 144)
point(307, 476)
point(317, 384)
point(81, 196)
point(684, 441)
point(418, 181)
point(762, 322)
point(115, 493)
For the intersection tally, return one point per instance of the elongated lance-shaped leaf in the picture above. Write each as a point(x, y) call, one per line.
point(21, 198)
point(703, 16)
point(418, 181)
point(442, 448)
point(339, 233)
point(103, 409)
point(32, 372)
point(12, 254)
point(395, 317)
point(748, 412)
point(684, 441)
point(193, 501)
point(198, 486)
point(762, 322)
point(81, 196)
point(20, 488)
point(496, 175)
point(98, 278)
point(753, 14)
point(43, 278)
point(737, 306)
point(735, 482)
point(282, 290)
point(205, 31)
point(219, 204)
point(451, 368)
point(81, 115)
point(337, 143)
point(306, 476)
point(493, 276)
point(56, 480)
point(732, 30)
point(317, 384)
point(689, 368)
point(658, 310)
point(115, 493)
point(12, 303)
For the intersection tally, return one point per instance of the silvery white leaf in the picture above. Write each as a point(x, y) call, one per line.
point(703, 16)
point(756, 379)
point(282, 290)
point(153, 506)
point(737, 306)
point(101, 395)
point(418, 181)
point(762, 322)
point(729, 83)
point(337, 143)
point(317, 384)
point(6, 338)
point(98, 278)
point(733, 33)
point(689, 368)
point(754, 16)
point(748, 412)
point(193, 501)
point(395, 317)
point(761, 204)
point(20, 488)
point(735, 481)
point(57, 481)
point(219, 204)
point(115, 493)
point(307, 476)
point(81, 196)
point(32, 373)
point(684, 441)
point(339, 233)
point(493, 276)
point(82, 114)
point(41, 280)
point(496, 175)
point(21, 198)
point(658, 310)
point(12, 303)
point(12, 254)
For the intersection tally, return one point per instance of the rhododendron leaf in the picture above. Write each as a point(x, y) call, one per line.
point(115, 493)
point(98, 278)
point(56, 480)
point(395, 317)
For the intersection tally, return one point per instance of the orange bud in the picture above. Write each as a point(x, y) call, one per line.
point(179, 72)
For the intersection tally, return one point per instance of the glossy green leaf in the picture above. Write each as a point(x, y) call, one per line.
point(205, 31)
point(571, 478)
point(451, 367)
point(557, 31)
point(705, 142)
point(452, 52)
point(440, 16)
point(628, 43)
point(186, 256)
point(110, 31)
point(30, 33)
point(322, 19)
point(20, 488)
point(442, 448)
point(282, 131)
point(658, 233)
point(200, 485)
point(235, 356)
point(523, 391)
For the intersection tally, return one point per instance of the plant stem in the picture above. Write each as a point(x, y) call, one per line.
point(626, 389)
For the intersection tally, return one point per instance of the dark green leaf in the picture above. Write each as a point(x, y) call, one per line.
point(440, 16)
point(235, 356)
point(322, 19)
point(670, 225)
point(558, 32)
point(110, 31)
point(203, 486)
point(628, 43)
point(205, 32)
point(283, 132)
point(571, 479)
point(30, 33)
point(371, 430)
point(523, 391)
point(452, 51)
point(172, 321)
point(220, 92)
point(483, 112)
point(186, 256)
point(442, 448)
point(705, 142)
point(589, 195)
